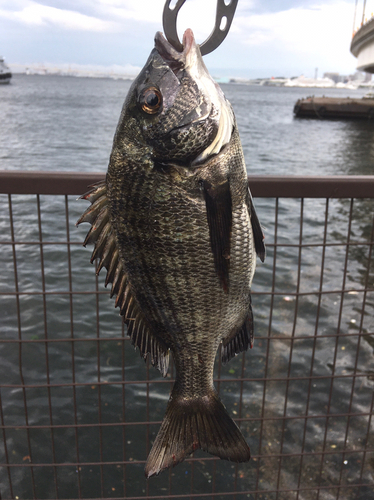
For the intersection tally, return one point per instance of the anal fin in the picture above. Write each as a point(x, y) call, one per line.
point(240, 340)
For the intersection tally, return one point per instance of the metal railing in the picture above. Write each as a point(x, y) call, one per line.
point(79, 409)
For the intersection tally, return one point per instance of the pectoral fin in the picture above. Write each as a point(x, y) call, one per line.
point(258, 234)
point(219, 214)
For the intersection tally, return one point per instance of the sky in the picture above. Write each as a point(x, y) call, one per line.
point(267, 37)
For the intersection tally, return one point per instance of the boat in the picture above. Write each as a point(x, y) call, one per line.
point(335, 107)
point(5, 74)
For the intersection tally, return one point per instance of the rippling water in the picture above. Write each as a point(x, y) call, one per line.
point(61, 123)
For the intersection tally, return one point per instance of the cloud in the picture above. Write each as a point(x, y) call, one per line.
point(323, 28)
point(276, 35)
point(33, 13)
point(200, 15)
point(259, 6)
point(136, 10)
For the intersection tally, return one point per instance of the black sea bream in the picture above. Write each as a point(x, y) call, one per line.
point(175, 227)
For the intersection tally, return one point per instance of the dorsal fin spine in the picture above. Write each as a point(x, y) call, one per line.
point(123, 300)
point(117, 279)
point(144, 342)
point(118, 286)
point(153, 349)
point(93, 210)
point(96, 227)
point(101, 242)
point(96, 191)
point(112, 267)
point(126, 307)
point(107, 254)
point(137, 336)
point(128, 315)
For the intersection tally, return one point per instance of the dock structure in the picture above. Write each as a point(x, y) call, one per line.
point(335, 107)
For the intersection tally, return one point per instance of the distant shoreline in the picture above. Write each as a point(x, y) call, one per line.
point(296, 82)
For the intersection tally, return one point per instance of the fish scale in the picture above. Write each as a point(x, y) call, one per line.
point(173, 259)
point(175, 227)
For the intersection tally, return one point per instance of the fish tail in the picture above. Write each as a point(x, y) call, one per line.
point(195, 423)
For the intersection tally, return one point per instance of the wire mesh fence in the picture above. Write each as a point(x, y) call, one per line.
point(79, 409)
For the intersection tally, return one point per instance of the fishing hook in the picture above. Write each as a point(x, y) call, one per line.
point(224, 16)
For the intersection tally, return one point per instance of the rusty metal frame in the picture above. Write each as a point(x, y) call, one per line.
point(265, 186)
point(64, 184)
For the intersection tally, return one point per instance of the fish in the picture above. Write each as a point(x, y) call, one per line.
point(174, 225)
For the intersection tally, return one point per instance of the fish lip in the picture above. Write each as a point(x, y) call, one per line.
point(164, 48)
point(188, 41)
point(176, 60)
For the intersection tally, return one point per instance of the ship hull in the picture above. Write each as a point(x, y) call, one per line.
point(5, 78)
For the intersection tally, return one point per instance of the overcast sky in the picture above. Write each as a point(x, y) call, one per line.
point(267, 37)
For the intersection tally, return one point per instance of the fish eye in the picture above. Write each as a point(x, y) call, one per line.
point(150, 100)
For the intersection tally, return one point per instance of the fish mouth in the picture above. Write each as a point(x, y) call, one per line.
point(179, 60)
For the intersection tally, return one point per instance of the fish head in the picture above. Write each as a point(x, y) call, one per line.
point(181, 113)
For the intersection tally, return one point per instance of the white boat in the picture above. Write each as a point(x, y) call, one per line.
point(369, 95)
point(5, 74)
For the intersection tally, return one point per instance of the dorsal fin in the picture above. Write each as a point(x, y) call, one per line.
point(102, 236)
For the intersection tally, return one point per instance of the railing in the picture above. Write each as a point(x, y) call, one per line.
point(61, 183)
point(79, 409)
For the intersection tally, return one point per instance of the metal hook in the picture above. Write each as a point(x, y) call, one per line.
point(224, 16)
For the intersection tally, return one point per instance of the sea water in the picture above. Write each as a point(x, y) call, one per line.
point(65, 123)
point(55, 123)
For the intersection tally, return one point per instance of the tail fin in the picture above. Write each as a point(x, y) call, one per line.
point(194, 423)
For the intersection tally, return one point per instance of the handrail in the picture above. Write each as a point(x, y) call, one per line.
point(264, 186)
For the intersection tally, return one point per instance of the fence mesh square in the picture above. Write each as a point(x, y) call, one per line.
point(79, 409)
